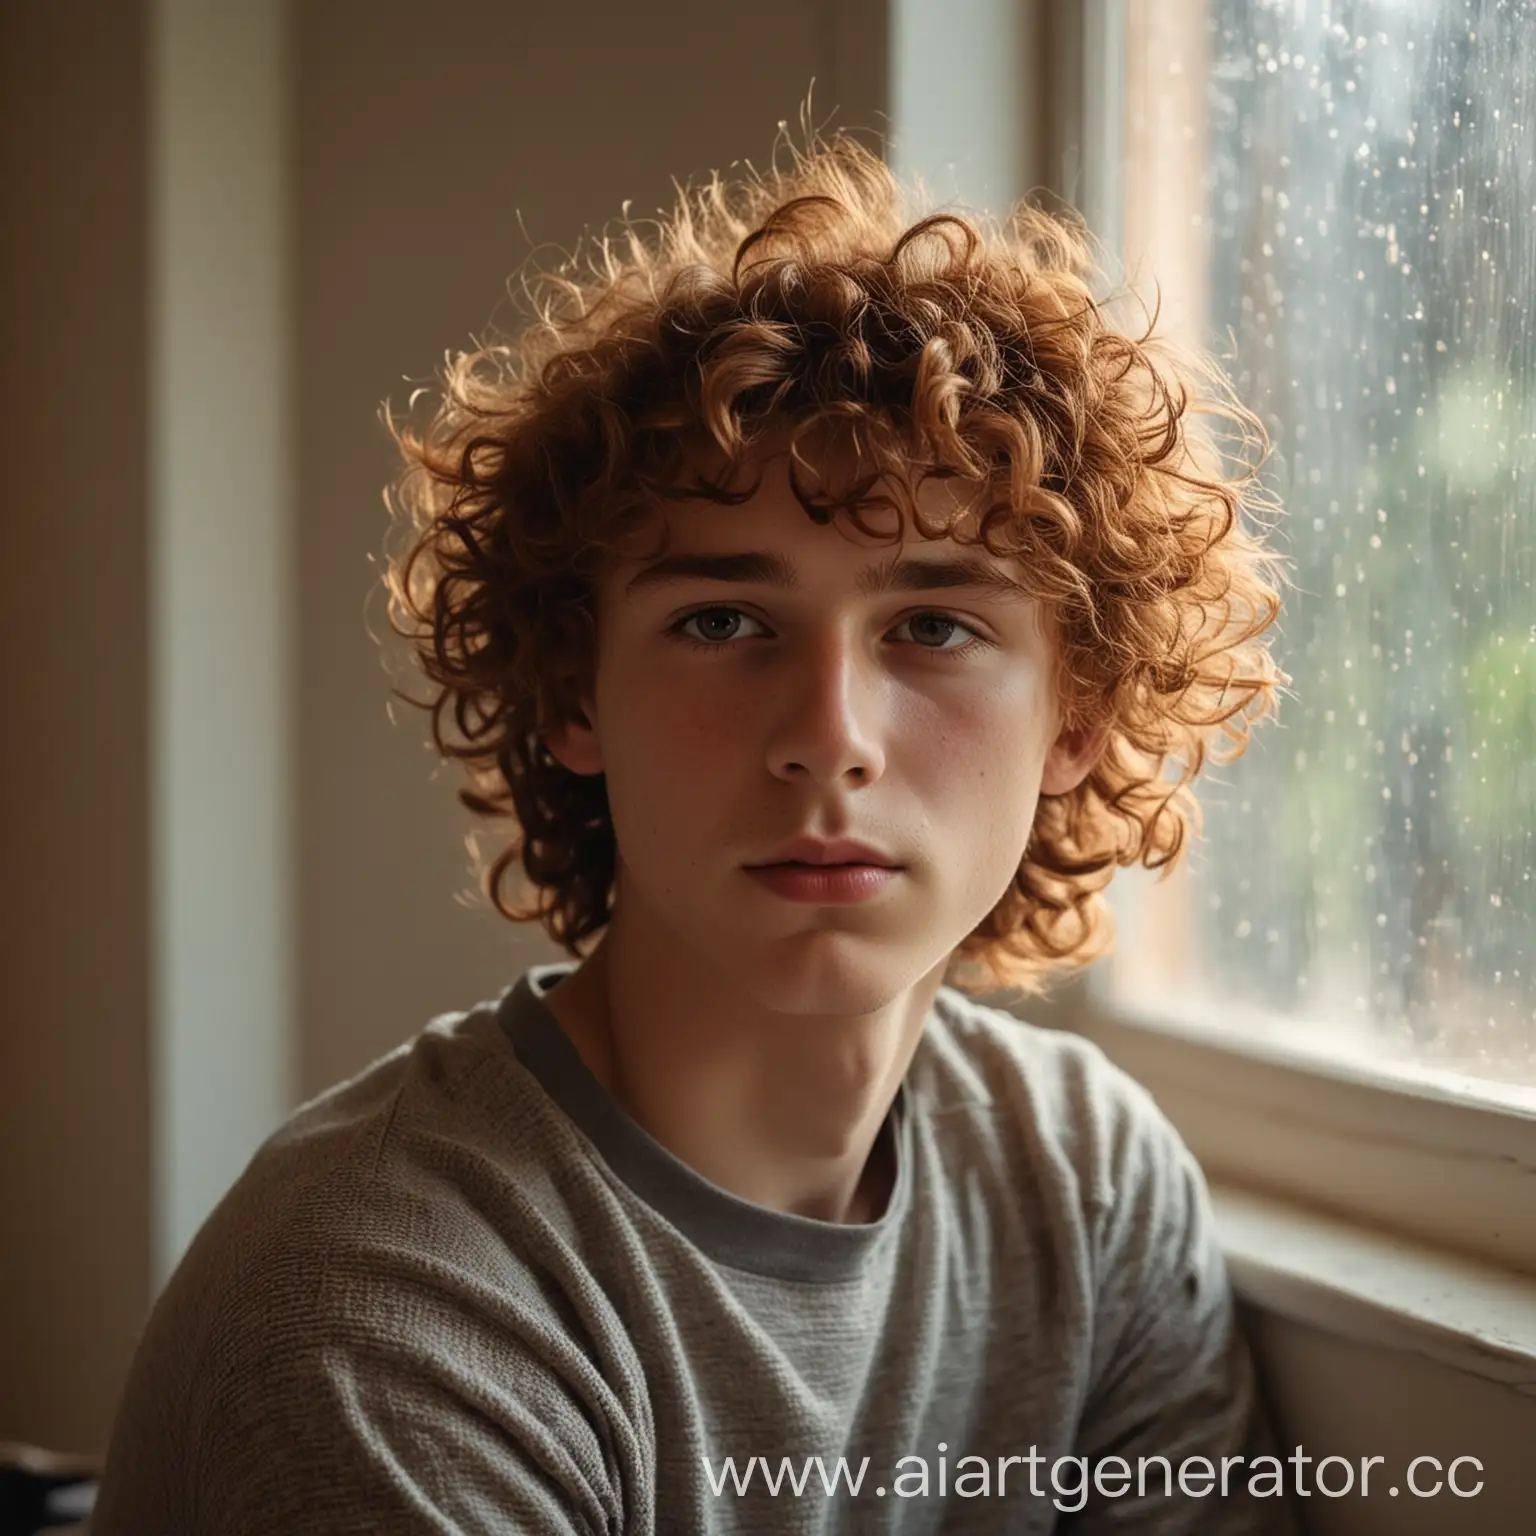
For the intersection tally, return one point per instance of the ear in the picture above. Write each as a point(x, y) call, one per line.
point(1072, 757)
point(573, 742)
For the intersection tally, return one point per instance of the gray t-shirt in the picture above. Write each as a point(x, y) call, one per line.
point(464, 1291)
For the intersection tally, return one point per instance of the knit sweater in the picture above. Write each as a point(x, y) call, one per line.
point(465, 1292)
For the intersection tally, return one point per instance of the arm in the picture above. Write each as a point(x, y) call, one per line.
point(379, 1389)
point(1172, 1372)
point(388, 1435)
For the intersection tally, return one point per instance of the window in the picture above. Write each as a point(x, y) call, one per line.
point(1339, 198)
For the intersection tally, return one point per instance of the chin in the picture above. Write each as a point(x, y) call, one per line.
point(837, 973)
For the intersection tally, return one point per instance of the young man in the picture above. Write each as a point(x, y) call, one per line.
point(824, 596)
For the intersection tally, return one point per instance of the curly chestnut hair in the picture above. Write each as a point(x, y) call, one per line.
point(815, 302)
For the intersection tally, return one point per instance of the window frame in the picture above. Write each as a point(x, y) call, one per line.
point(1384, 1150)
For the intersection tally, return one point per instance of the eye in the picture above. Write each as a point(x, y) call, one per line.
point(718, 626)
point(709, 620)
point(947, 626)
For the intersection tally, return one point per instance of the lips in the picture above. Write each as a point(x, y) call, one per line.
point(814, 852)
point(824, 885)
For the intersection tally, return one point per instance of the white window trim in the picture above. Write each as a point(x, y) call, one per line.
point(1402, 1156)
point(1379, 1290)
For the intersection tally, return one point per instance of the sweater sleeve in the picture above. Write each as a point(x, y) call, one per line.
point(370, 1381)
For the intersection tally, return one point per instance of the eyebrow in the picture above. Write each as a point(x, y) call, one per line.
point(774, 570)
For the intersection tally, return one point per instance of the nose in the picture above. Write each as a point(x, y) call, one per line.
point(828, 727)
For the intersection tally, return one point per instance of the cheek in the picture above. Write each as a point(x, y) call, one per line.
point(985, 749)
point(671, 741)
point(975, 766)
point(674, 771)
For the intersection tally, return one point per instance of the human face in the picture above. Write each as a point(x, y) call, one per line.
point(737, 708)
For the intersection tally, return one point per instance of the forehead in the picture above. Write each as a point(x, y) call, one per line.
point(770, 539)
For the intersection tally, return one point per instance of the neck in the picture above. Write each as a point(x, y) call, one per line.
point(775, 1105)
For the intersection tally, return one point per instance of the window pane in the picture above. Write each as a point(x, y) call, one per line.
point(1339, 199)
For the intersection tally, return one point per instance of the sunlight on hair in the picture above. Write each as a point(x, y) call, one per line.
point(819, 302)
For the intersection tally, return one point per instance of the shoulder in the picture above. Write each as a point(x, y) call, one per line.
point(1113, 1171)
point(1058, 1091)
point(390, 1264)
point(440, 1167)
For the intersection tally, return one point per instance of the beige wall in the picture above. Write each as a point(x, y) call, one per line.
point(74, 629)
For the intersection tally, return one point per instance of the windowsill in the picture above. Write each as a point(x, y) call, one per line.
point(1452, 1175)
point(1378, 1289)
